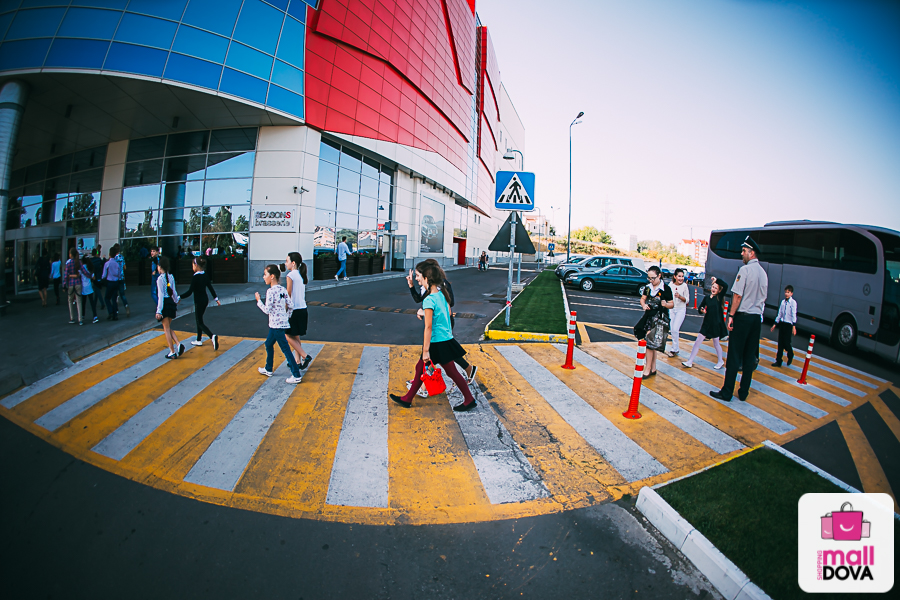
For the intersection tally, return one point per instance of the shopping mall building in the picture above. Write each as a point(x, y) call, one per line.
point(246, 129)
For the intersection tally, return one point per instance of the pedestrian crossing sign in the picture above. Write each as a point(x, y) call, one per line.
point(515, 191)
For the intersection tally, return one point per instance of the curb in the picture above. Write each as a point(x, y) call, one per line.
point(524, 336)
point(728, 579)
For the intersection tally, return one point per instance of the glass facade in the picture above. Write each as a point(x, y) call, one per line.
point(189, 192)
point(353, 198)
point(247, 48)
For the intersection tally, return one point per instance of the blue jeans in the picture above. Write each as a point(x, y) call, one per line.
point(153, 291)
point(277, 335)
point(343, 268)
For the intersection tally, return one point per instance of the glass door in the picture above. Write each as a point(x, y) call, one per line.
point(398, 253)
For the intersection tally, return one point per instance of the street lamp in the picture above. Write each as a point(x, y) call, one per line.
point(510, 156)
point(569, 234)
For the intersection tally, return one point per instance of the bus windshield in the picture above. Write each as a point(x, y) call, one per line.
point(889, 330)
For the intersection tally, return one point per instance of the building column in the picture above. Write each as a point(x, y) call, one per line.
point(12, 107)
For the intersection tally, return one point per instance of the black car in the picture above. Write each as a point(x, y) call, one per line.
point(612, 278)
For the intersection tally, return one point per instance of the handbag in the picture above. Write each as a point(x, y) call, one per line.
point(657, 333)
point(433, 380)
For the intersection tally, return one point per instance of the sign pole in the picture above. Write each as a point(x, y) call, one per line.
point(512, 249)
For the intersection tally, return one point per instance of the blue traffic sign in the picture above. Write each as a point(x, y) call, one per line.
point(551, 246)
point(515, 191)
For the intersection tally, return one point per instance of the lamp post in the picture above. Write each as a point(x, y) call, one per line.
point(508, 155)
point(569, 234)
point(540, 218)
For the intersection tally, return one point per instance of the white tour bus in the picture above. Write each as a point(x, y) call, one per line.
point(846, 278)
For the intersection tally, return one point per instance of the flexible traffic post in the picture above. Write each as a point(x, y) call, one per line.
point(802, 380)
point(570, 351)
point(695, 299)
point(725, 312)
point(632, 412)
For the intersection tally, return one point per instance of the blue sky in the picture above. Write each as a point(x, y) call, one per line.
point(707, 114)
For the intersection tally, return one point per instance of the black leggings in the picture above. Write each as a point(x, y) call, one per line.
point(92, 298)
point(199, 309)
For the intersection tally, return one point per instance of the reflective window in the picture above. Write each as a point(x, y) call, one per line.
point(368, 207)
point(80, 206)
point(140, 224)
point(227, 191)
point(169, 9)
point(143, 172)
point(347, 202)
point(244, 86)
point(328, 174)
point(135, 59)
point(368, 187)
point(351, 160)
point(249, 60)
point(345, 222)
point(259, 25)
point(193, 70)
point(348, 180)
point(233, 140)
point(89, 159)
point(218, 16)
point(326, 198)
point(284, 100)
point(140, 198)
point(87, 181)
point(330, 152)
point(366, 223)
point(36, 172)
point(193, 219)
point(89, 23)
point(297, 9)
point(282, 4)
point(85, 54)
point(30, 215)
point(193, 193)
point(370, 169)
point(57, 185)
point(287, 77)
point(324, 218)
point(223, 166)
point(102, 3)
point(200, 43)
point(24, 54)
point(39, 22)
point(290, 45)
point(184, 168)
point(146, 31)
point(152, 147)
point(192, 142)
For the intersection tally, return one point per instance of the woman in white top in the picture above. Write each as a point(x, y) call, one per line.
point(296, 288)
point(680, 295)
point(166, 306)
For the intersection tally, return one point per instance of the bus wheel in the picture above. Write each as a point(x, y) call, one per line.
point(843, 335)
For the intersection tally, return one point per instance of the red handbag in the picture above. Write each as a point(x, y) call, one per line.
point(434, 382)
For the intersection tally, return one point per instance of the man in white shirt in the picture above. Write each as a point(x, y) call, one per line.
point(680, 295)
point(342, 252)
point(786, 322)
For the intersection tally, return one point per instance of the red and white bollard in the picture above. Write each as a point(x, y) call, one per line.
point(802, 380)
point(695, 298)
point(570, 351)
point(632, 412)
point(725, 312)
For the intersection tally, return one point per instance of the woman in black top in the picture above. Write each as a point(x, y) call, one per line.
point(656, 299)
point(713, 326)
point(199, 283)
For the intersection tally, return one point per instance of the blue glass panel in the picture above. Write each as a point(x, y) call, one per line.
point(38, 22)
point(193, 70)
point(223, 166)
point(284, 100)
point(5, 20)
point(85, 54)
point(249, 60)
point(259, 25)
point(6, 5)
point(135, 59)
point(101, 3)
point(215, 15)
point(146, 31)
point(288, 77)
point(169, 9)
point(201, 44)
point(24, 54)
point(282, 4)
point(42, 3)
point(140, 198)
point(90, 23)
point(227, 191)
point(244, 86)
point(290, 47)
point(297, 9)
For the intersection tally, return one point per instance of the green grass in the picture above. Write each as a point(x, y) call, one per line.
point(747, 508)
point(539, 308)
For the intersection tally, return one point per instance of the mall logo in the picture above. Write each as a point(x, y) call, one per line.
point(846, 550)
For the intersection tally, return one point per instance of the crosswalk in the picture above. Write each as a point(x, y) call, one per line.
point(542, 438)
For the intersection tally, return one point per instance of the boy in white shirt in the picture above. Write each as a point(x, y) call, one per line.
point(680, 295)
point(786, 321)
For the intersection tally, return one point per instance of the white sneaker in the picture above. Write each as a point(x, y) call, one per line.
point(196, 343)
point(687, 364)
point(336, 278)
point(346, 279)
point(293, 379)
point(262, 371)
point(719, 366)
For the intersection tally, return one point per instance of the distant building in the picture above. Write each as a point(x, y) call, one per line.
point(536, 224)
point(696, 249)
point(625, 241)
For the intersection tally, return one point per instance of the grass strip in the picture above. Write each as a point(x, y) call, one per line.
point(539, 308)
point(747, 508)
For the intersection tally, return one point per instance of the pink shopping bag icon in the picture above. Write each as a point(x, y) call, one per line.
point(827, 524)
point(847, 524)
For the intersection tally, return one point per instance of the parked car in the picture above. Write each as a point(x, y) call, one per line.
point(573, 260)
point(611, 278)
point(593, 263)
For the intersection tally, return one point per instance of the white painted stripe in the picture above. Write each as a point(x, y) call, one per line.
point(697, 428)
point(748, 410)
point(135, 430)
point(822, 359)
point(620, 451)
point(81, 366)
point(226, 459)
point(359, 475)
point(830, 381)
point(788, 379)
point(505, 473)
point(92, 396)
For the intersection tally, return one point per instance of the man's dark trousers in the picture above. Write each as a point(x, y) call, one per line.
point(743, 344)
point(785, 333)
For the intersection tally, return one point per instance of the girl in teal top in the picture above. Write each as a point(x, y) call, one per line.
point(438, 345)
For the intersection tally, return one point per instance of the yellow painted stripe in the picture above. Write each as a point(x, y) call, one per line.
point(585, 338)
point(525, 336)
point(668, 444)
point(870, 471)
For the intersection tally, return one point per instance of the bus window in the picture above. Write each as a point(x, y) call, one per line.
point(776, 245)
point(856, 253)
point(728, 244)
point(889, 326)
point(815, 248)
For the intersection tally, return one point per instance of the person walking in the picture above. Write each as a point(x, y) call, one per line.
point(42, 274)
point(438, 346)
point(111, 276)
point(87, 288)
point(786, 322)
point(296, 281)
point(166, 306)
point(713, 326)
point(279, 307)
point(653, 326)
point(680, 296)
point(343, 251)
point(154, 272)
point(744, 322)
point(120, 258)
point(200, 282)
point(56, 275)
point(483, 261)
point(97, 264)
point(72, 284)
